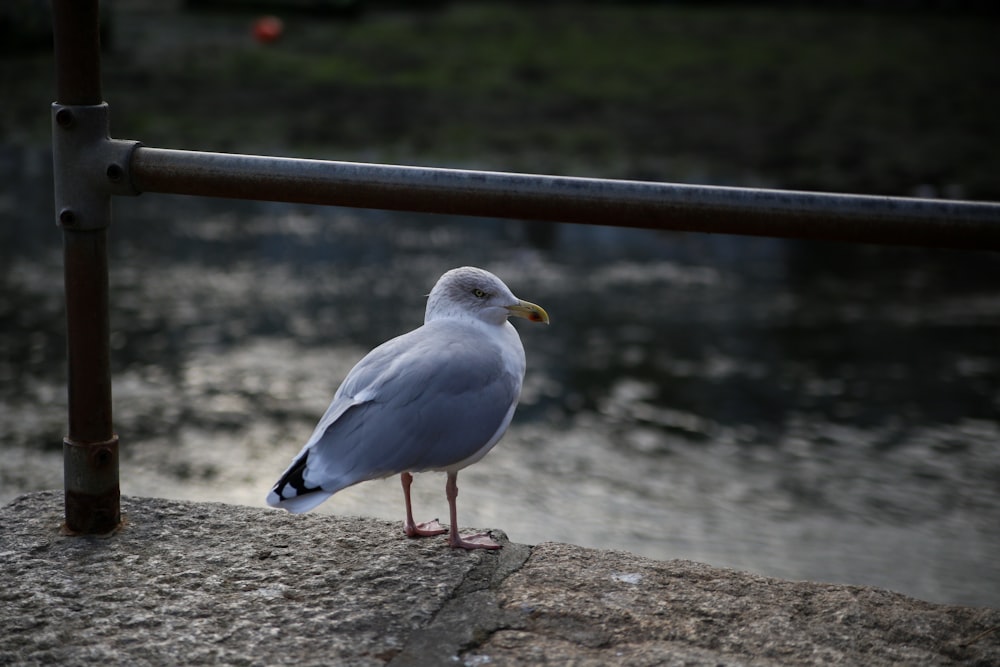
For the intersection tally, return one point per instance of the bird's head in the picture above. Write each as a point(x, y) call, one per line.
point(472, 292)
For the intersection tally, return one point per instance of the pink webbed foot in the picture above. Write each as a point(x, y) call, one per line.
point(410, 527)
point(423, 529)
point(478, 541)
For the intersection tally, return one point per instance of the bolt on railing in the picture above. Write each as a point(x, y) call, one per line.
point(90, 168)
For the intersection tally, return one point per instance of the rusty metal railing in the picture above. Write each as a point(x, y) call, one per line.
point(757, 212)
point(91, 168)
point(90, 449)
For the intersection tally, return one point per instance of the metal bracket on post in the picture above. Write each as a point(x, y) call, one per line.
point(89, 167)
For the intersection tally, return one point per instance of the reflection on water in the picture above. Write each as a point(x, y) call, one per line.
point(815, 411)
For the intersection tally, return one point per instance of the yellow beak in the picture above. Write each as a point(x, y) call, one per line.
point(529, 311)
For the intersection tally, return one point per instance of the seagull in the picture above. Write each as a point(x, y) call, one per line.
point(436, 398)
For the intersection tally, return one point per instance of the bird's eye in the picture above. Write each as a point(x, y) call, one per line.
point(479, 293)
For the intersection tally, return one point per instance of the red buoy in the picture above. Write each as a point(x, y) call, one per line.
point(268, 29)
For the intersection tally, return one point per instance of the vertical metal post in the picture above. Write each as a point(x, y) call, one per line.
point(83, 211)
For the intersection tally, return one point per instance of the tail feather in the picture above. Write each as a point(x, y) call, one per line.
point(291, 491)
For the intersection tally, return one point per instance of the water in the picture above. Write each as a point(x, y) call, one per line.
point(805, 410)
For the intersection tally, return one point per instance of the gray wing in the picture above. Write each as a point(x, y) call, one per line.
point(425, 400)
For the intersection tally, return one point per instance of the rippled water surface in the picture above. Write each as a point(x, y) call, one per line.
point(812, 411)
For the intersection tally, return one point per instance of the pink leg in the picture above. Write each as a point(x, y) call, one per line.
point(425, 529)
point(480, 541)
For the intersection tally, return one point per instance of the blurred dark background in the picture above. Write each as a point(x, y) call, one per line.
point(809, 410)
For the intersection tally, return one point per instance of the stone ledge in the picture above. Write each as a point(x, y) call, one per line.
point(197, 583)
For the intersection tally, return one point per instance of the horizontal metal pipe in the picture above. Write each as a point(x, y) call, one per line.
point(756, 212)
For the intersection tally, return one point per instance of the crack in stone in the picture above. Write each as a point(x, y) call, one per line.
point(470, 615)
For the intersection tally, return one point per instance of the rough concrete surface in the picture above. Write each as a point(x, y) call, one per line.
point(194, 583)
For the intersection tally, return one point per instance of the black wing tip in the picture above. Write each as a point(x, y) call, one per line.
point(294, 477)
